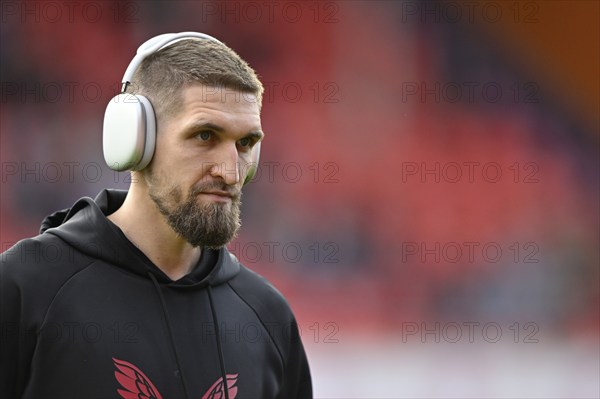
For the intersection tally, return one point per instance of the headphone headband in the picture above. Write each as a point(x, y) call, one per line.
point(154, 44)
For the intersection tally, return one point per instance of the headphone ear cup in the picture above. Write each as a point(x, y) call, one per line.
point(253, 166)
point(150, 136)
point(129, 132)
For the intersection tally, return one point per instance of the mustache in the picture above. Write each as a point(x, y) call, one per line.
point(216, 186)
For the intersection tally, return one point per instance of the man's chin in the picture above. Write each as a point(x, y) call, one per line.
point(210, 241)
point(207, 220)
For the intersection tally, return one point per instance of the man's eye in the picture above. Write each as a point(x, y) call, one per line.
point(245, 142)
point(204, 135)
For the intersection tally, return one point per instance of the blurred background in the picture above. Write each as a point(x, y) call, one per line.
point(428, 194)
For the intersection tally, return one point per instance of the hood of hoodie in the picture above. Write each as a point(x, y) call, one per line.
point(85, 227)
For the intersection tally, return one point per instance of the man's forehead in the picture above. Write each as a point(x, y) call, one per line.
point(224, 107)
point(198, 93)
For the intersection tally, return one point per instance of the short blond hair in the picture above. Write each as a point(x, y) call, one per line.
point(162, 75)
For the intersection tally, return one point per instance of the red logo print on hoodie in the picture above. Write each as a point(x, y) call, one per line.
point(136, 385)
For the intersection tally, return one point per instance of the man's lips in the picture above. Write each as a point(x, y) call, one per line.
point(220, 195)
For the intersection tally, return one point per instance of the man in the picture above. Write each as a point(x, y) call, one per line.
point(133, 294)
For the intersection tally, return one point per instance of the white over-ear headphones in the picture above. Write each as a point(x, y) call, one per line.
point(129, 132)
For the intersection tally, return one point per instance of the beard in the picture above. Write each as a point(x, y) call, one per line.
point(209, 225)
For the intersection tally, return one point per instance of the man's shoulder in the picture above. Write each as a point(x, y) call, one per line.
point(273, 310)
point(37, 259)
point(262, 296)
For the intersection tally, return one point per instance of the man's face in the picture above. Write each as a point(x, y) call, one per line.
point(202, 156)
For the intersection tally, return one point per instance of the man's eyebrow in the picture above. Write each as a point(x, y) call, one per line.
point(255, 134)
point(204, 125)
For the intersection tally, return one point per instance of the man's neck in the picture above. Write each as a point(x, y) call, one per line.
point(142, 223)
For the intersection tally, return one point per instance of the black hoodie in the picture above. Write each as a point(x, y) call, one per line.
point(85, 314)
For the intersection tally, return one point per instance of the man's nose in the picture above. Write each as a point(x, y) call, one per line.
point(226, 165)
